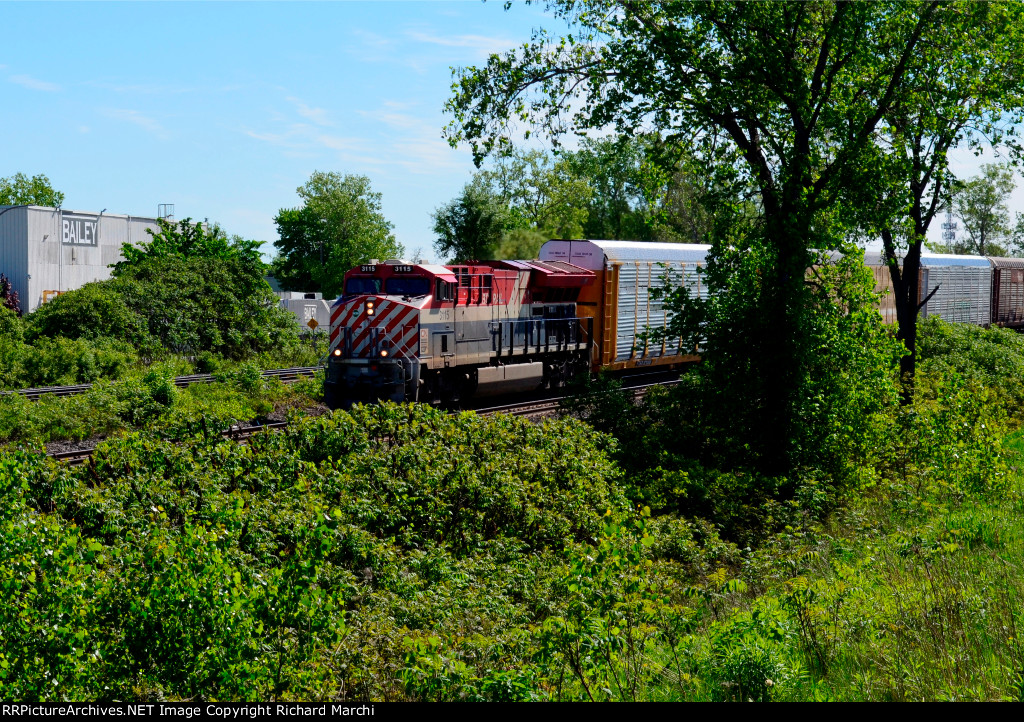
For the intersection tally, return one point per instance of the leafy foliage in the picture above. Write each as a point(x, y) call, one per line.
point(784, 103)
point(619, 187)
point(207, 304)
point(96, 310)
point(472, 226)
point(980, 204)
point(149, 399)
point(8, 296)
point(19, 189)
point(293, 567)
point(187, 240)
point(400, 553)
point(339, 225)
point(167, 303)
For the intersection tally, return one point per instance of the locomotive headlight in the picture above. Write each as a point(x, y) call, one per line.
point(383, 353)
point(369, 308)
point(337, 352)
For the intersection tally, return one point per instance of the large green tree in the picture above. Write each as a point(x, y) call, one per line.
point(190, 289)
point(981, 205)
point(510, 208)
point(338, 226)
point(963, 89)
point(542, 191)
point(615, 187)
point(20, 190)
point(625, 184)
point(789, 94)
point(471, 226)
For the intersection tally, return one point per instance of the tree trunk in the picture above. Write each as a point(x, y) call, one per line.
point(906, 291)
point(783, 345)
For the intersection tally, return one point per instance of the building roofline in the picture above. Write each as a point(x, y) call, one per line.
point(80, 212)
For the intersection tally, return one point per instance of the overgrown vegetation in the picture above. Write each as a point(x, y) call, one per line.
point(152, 401)
point(191, 298)
point(396, 552)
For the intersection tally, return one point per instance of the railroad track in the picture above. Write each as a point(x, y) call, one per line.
point(283, 375)
point(235, 433)
point(240, 433)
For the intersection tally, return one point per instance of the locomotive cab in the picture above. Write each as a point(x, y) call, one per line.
point(374, 343)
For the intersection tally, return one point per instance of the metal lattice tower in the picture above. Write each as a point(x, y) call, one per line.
point(949, 229)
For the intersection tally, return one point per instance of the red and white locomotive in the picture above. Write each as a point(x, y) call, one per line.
point(433, 333)
point(423, 332)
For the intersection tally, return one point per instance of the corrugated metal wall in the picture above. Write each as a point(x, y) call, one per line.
point(13, 252)
point(306, 309)
point(637, 311)
point(48, 250)
point(964, 293)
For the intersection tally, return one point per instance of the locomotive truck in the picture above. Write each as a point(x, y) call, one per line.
point(424, 332)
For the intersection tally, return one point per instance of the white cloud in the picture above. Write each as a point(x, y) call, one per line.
point(317, 115)
point(393, 120)
point(484, 45)
point(304, 137)
point(373, 40)
point(427, 155)
point(141, 88)
point(134, 116)
point(397, 141)
point(335, 142)
point(28, 81)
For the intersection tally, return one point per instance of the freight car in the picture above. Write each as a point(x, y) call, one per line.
point(423, 332)
point(979, 290)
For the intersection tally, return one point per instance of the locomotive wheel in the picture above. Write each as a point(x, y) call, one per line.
point(557, 375)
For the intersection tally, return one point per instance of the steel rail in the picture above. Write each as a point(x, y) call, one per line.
point(283, 375)
point(242, 433)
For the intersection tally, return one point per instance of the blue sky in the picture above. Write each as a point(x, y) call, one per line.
point(225, 108)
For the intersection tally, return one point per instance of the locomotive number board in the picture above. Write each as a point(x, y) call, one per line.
point(402, 269)
point(367, 269)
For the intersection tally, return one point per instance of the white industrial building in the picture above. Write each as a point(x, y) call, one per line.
point(311, 311)
point(46, 251)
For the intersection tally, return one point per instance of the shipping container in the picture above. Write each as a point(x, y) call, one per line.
point(620, 299)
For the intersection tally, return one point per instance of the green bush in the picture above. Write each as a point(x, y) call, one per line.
point(222, 306)
point(63, 361)
point(319, 563)
point(992, 357)
point(95, 310)
point(12, 328)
